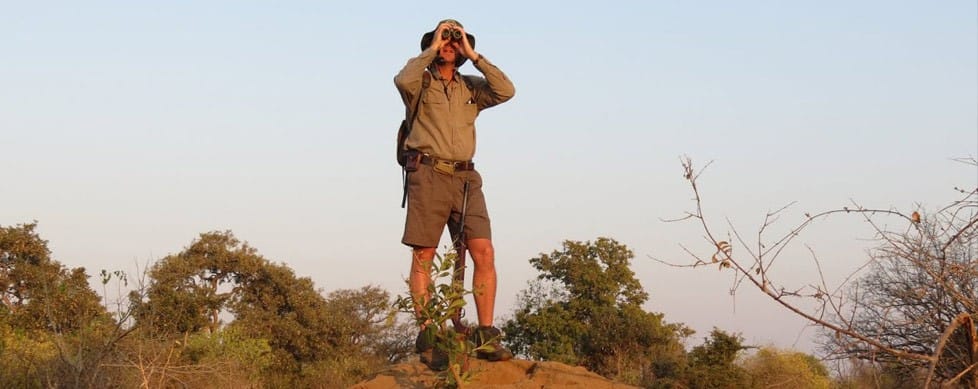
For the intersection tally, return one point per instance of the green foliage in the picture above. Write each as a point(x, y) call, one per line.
point(53, 329)
point(544, 327)
point(717, 363)
point(37, 292)
point(444, 300)
point(713, 364)
point(310, 339)
point(24, 359)
point(276, 305)
point(585, 309)
point(879, 376)
point(770, 367)
point(593, 274)
point(339, 340)
point(364, 322)
point(215, 315)
point(39, 358)
point(220, 275)
point(190, 290)
point(218, 360)
point(247, 356)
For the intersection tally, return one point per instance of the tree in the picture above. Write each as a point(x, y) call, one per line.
point(364, 335)
point(189, 290)
point(713, 364)
point(363, 322)
point(919, 285)
point(287, 310)
point(219, 283)
point(39, 293)
point(585, 308)
point(924, 321)
point(218, 275)
point(773, 368)
point(53, 329)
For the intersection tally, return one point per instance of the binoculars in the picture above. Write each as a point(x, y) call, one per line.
point(451, 34)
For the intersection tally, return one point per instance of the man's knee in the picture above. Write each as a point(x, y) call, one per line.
point(423, 254)
point(421, 259)
point(482, 252)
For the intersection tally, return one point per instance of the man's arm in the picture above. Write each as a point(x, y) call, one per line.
point(408, 80)
point(496, 89)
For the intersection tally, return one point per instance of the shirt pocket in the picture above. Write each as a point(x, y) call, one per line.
point(435, 105)
point(469, 113)
point(434, 98)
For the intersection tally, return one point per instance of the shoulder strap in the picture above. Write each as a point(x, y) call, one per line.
point(425, 82)
point(468, 85)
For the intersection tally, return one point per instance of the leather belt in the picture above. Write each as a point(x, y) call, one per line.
point(448, 164)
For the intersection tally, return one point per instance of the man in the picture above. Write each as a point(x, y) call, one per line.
point(440, 145)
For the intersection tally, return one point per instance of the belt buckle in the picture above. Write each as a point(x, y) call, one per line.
point(444, 167)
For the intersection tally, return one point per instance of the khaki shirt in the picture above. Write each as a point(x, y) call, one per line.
point(445, 123)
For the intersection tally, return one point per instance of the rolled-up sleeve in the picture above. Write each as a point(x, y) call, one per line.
point(408, 80)
point(497, 89)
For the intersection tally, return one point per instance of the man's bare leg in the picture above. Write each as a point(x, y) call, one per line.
point(483, 279)
point(420, 278)
point(484, 289)
point(419, 281)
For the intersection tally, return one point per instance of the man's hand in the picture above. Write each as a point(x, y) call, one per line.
point(461, 46)
point(465, 47)
point(437, 41)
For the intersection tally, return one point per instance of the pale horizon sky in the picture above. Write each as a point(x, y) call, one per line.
point(130, 128)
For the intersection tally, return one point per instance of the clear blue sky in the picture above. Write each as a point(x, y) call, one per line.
point(130, 127)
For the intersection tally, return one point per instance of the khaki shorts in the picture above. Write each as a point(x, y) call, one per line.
point(435, 200)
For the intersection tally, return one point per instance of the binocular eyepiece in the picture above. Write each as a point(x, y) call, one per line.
point(451, 34)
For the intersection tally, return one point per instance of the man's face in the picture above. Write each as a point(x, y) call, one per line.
point(449, 52)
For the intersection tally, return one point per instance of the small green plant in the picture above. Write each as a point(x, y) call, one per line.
point(445, 298)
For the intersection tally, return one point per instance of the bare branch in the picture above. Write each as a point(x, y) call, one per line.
point(679, 219)
point(962, 319)
point(916, 245)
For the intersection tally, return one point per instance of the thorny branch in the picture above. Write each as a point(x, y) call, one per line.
point(959, 223)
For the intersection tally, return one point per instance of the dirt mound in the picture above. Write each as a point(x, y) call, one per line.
point(510, 374)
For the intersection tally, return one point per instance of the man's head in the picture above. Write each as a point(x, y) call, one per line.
point(447, 52)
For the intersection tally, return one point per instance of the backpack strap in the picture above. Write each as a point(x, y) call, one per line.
point(425, 83)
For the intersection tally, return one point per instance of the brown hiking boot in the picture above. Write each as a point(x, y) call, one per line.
point(435, 359)
point(486, 339)
point(428, 354)
point(425, 340)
